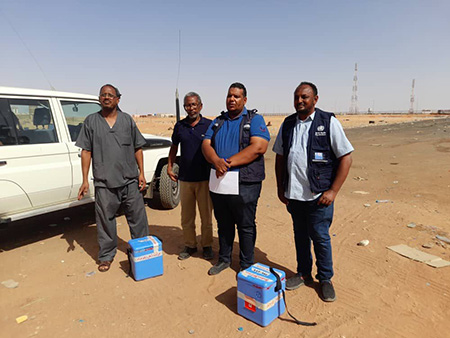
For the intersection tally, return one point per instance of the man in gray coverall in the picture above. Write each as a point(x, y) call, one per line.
point(111, 139)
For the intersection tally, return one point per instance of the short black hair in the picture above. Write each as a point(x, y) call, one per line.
point(115, 89)
point(312, 85)
point(239, 86)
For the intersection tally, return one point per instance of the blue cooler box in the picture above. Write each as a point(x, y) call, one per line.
point(146, 257)
point(257, 299)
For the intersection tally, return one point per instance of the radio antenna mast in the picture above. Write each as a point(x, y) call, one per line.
point(177, 100)
point(28, 49)
point(354, 106)
point(411, 108)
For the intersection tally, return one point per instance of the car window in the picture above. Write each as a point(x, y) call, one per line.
point(75, 113)
point(26, 121)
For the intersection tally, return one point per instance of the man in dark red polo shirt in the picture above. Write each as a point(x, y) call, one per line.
point(193, 176)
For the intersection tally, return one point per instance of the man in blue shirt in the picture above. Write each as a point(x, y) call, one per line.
point(237, 141)
point(193, 176)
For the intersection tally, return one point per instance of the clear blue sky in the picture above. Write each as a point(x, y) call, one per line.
point(270, 46)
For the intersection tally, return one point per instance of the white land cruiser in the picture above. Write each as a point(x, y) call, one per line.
point(40, 166)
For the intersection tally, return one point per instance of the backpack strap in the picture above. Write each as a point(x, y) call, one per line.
point(278, 287)
point(244, 129)
point(216, 126)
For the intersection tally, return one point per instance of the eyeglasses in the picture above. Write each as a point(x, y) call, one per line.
point(108, 95)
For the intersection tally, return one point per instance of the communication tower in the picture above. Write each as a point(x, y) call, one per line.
point(354, 106)
point(411, 108)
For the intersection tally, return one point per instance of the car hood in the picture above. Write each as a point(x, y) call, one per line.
point(154, 141)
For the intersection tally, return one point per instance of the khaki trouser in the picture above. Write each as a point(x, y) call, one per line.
point(190, 193)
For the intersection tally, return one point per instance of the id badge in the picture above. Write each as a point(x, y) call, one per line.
point(319, 157)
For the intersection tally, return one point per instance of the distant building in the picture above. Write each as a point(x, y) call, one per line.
point(140, 116)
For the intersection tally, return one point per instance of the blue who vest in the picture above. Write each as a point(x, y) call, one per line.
point(322, 162)
point(253, 172)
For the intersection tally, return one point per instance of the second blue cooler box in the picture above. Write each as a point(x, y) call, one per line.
point(257, 298)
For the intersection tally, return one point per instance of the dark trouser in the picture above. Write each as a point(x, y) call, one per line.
point(312, 222)
point(107, 203)
point(240, 210)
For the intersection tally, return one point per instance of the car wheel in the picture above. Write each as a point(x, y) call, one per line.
point(169, 191)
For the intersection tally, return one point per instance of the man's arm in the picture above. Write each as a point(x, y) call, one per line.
point(329, 196)
point(86, 157)
point(280, 171)
point(171, 160)
point(256, 148)
point(139, 155)
point(220, 164)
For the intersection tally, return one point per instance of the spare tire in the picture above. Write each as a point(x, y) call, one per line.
point(169, 191)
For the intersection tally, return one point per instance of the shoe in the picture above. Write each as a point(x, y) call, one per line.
point(296, 281)
point(104, 266)
point(186, 253)
point(218, 268)
point(208, 253)
point(328, 294)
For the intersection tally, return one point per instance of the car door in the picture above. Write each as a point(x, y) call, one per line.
point(35, 169)
point(75, 111)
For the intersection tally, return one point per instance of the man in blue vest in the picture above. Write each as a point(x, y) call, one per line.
point(312, 162)
point(236, 141)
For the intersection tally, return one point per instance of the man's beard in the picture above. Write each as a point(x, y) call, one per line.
point(108, 109)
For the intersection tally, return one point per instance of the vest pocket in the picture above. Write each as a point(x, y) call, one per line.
point(322, 178)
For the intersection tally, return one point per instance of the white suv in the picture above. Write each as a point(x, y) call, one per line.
point(40, 166)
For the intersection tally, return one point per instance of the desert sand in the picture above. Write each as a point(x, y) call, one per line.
point(379, 293)
point(163, 126)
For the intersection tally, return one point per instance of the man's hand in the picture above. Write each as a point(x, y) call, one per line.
point(172, 175)
point(142, 182)
point(83, 190)
point(221, 166)
point(256, 148)
point(327, 197)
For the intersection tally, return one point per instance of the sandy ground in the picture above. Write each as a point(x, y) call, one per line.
point(164, 126)
point(379, 293)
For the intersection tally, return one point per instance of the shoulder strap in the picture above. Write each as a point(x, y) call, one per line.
point(278, 287)
point(244, 128)
point(216, 126)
